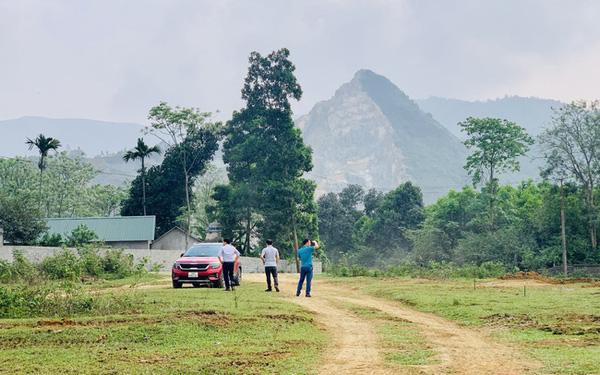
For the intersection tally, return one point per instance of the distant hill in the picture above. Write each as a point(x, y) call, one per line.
point(531, 113)
point(90, 136)
point(534, 114)
point(372, 134)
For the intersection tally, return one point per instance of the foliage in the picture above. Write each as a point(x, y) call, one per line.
point(67, 188)
point(44, 145)
point(67, 264)
point(266, 158)
point(63, 265)
point(51, 240)
point(370, 228)
point(166, 192)
point(431, 270)
point(203, 201)
point(141, 151)
point(20, 220)
point(59, 300)
point(192, 139)
point(80, 236)
point(455, 229)
point(572, 152)
point(495, 145)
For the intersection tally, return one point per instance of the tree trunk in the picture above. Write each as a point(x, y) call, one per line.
point(187, 199)
point(247, 239)
point(563, 230)
point(492, 198)
point(295, 233)
point(143, 187)
point(40, 191)
point(591, 214)
point(187, 202)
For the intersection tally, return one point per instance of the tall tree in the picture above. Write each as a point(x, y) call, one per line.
point(20, 219)
point(265, 154)
point(44, 145)
point(572, 149)
point(495, 146)
point(141, 151)
point(337, 215)
point(183, 130)
point(166, 195)
point(401, 210)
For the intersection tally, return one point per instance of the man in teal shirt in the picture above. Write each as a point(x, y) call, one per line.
point(305, 253)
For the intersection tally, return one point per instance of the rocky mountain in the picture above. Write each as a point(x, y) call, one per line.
point(531, 113)
point(371, 133)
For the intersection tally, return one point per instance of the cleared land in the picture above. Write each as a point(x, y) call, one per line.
point(554, 327)
point(350, 326)
point(166, 331)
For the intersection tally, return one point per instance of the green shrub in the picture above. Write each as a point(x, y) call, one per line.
point(6, 271)
point(51, 240)
point(117, 263)
point(60, 300)
point(22, 268)
point(63, 265)
point(80, 236)
point(433, 270)
point(91, 262)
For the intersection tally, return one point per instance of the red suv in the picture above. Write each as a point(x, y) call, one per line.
point(200, 265)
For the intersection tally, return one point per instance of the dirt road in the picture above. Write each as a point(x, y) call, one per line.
point(355, 347)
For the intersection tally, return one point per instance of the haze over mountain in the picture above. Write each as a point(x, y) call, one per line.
point(93, 137)
point(372, 134)
point(531, 113)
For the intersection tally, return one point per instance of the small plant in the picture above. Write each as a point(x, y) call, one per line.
point(117, 263)
point(51, 240)
point(81, 235)
point(59, 299)
point(64, 265)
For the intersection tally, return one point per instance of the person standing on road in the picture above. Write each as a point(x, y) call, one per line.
point(305, 253)
point(228, 255)
point(270, 258)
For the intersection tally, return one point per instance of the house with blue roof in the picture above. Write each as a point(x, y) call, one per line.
point(127, 232)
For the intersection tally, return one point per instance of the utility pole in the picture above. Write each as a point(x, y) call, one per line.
point(563, 231)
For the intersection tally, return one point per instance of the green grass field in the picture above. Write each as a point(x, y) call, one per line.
point(557, 324)
point(167, 331)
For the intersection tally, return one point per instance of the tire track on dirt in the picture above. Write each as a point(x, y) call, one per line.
point(355, 348)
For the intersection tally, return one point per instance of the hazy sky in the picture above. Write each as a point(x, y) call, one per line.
point(112, 60)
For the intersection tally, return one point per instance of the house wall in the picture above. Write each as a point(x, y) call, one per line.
point(164, 258)
point(140, 245)
point(173, 240)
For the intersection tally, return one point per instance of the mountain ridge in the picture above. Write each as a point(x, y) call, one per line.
point(371, 133)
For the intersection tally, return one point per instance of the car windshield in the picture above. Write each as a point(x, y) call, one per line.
point(204, 250)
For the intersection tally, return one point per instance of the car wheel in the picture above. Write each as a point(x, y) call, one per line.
point(218, 284)
point(176, 284)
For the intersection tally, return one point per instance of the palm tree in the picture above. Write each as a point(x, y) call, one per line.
point(44, 145)
point(141, 151)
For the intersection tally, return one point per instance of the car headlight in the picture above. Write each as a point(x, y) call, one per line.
point(176, 265)
point(215, 265)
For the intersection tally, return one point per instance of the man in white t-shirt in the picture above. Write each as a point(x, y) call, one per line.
point(228, 255)
point(270, 258)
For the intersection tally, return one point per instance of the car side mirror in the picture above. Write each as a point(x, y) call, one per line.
point(180, 255)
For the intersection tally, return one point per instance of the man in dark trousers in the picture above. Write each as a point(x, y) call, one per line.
point(228, 255)
point(270, 258)
point(305, 253)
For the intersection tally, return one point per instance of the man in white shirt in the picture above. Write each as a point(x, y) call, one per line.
point(270, 258)
point(228, 255)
